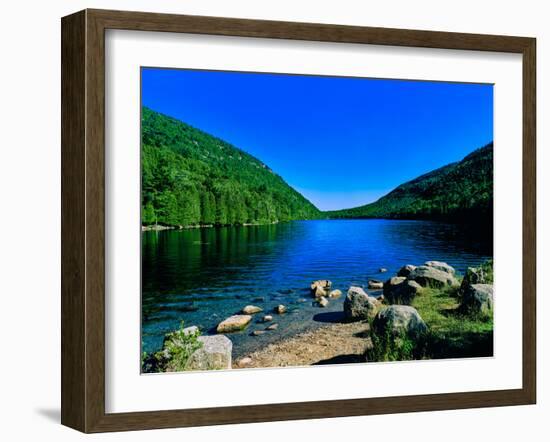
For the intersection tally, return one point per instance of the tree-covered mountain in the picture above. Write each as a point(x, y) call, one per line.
point(192, 178)
point(458, 191)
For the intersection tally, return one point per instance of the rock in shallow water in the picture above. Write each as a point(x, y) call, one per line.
point(234, 323)
point(335, 294)
point(280, 309)
point(267, 318)
point(323, 283)
point(273, 327)
point(322, 301)
point(251, 309)
point(215, 354)
point(375, 284)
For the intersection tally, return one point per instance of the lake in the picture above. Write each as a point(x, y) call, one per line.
point(202, 276)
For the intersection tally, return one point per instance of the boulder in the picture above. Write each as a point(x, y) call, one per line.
point(215, 354)
point(280, 309)
point(335, 294)
point(192, 330)
point(443, 266)
point(375, 284)
point(474, 275)
point(406, 270)
point(322, 301)
point(273, 327)
point(358, 305)
point(319, 291)
point(323, 283)
point(251, 309)
point(400, 290)
point(429, 276)
point(244, 362)
point(399, 320)
point(478, 299)
point(267, 318)
point(234, 323)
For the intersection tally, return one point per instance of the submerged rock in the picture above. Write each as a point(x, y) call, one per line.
point(319, 291)
point(478, 299)
point(382, 270)
point(251, 309)
point(429, 276)
point(443, 266)
point(214, 354)
point(322, 301)
point(280, 309)
point(234, 323)
point(267, 318)
point(273, 327)
point(323, 283)
point(400, 290)
point(398, 320)
point(258, 332)
point(406, 270)
point(358, 305)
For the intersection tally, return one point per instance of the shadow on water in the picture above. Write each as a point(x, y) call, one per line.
point(330, 317)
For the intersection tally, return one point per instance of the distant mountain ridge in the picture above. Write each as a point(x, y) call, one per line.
point(191, 178)
point(458, 191)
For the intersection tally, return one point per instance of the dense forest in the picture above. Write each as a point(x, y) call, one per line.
point(461, 191)
point(192, 178)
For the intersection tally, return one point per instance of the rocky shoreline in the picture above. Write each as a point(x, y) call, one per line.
point(371, 329)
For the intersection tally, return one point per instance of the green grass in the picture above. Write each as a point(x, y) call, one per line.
point(452, 334)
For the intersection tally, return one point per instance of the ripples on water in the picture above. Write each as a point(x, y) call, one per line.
point(202, 276)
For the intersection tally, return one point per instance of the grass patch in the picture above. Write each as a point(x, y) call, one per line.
point(452, 334)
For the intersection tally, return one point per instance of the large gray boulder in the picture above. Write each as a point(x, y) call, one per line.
point(358, 305)
point(399, 320)
point(443, 266)
point(406, 270)
point(429, 276)
point(400, 290)
point(478, 299)
point(215, 354)
point(234, 323)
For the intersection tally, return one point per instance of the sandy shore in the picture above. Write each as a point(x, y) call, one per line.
point(331, 344)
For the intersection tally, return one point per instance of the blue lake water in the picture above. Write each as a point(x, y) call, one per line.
point(202, 276)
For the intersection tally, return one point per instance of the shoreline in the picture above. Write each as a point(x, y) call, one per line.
point(336, 343)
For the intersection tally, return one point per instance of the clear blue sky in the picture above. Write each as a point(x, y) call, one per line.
point(341, 142)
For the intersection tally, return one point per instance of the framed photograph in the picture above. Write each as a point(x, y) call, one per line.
point(267, 220)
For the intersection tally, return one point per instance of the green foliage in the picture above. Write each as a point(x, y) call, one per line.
point(458, 191)
point(389, 347)
point(192, 178)
point(178, 347)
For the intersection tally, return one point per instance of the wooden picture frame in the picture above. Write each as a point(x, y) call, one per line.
point(83, 220)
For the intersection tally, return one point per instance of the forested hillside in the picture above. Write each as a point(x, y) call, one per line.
point(192, 178)
point(458, 191)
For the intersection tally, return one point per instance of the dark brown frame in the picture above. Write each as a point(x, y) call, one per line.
point(83, 216)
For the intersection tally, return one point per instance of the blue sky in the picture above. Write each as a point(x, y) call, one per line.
point(341, 142)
